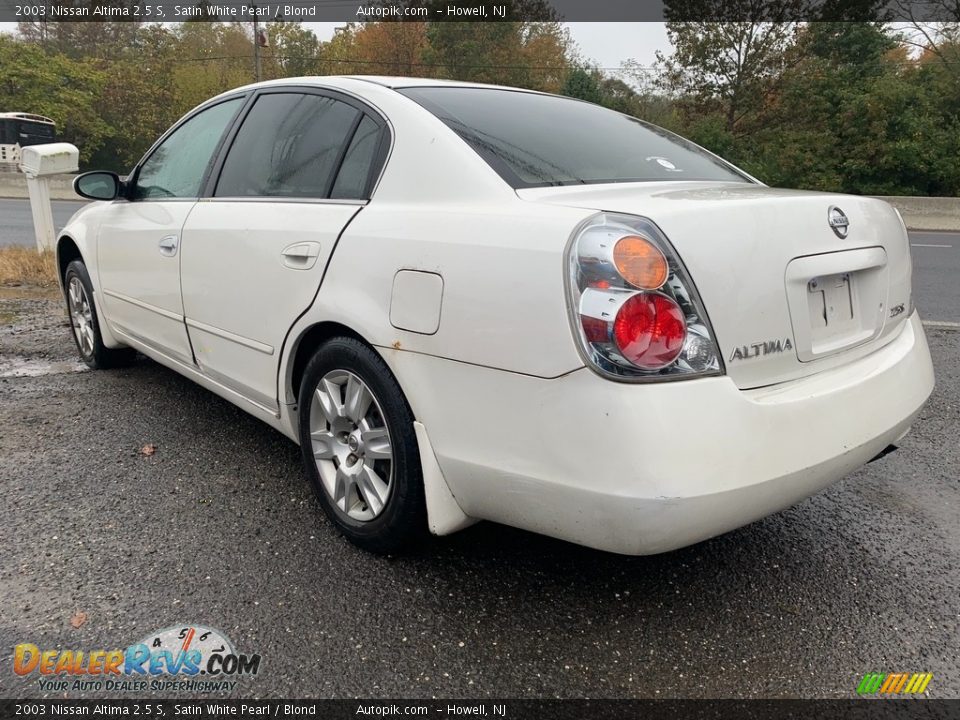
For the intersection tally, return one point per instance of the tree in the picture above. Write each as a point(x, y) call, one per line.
point(547, 48)
point(584, 84)
point(212, 57)
point(138, 100)
point(478, 52)
point(394, 48)
point(935, 26)
point(727, 67)
point(81, 39)
point(855, 114)
point(521, 54)
point(294, 48)
point(66, 90)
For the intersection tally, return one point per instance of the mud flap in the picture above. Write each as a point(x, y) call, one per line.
point(444, 515)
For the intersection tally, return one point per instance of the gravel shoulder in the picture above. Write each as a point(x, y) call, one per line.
point(219, 527)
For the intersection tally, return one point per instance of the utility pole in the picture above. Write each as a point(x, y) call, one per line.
point(256, 45)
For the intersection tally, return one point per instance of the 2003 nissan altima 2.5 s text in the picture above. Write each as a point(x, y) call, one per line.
point(470, 302)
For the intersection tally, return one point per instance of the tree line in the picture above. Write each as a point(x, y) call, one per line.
point(852, 107)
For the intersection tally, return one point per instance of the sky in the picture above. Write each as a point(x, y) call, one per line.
point(611, 43)
point(607, 43)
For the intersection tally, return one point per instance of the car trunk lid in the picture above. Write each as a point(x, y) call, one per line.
point(788, 292)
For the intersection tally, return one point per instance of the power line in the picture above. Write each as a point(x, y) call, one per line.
point(320, 59)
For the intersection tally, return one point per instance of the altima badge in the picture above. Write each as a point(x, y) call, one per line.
point(838, 221)
point(768, 347)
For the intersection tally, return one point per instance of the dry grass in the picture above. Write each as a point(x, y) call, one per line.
point(25, 266)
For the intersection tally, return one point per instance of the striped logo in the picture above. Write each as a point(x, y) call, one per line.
point(894, 683)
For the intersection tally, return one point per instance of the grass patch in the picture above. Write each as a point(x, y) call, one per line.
point(25, 266)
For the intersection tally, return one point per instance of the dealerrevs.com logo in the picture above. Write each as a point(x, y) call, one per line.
point(894, 683)
point(189, 658)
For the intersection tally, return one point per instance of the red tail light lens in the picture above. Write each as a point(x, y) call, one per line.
point(650, 330)
point(595, 330)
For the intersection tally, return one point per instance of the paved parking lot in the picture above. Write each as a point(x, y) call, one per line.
point(218, 527)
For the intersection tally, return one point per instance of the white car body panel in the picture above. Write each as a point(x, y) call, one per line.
point(641, 469)
point(232, 316)
point(497, 263)
point(512, 426)
point(140, 287)
point(737, 241)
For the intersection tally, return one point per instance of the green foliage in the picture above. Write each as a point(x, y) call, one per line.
point(478, 52)
point(842, 108)
point(295, 47)
point(837, 106)
point(51, 84)
point(584, 85)
point(727, 67)
point(854, 115)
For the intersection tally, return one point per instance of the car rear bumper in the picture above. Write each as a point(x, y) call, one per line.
point(641, 469)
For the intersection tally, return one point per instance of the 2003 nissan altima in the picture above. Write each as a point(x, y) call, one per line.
point(470, 302)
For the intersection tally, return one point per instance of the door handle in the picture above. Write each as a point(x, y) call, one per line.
point(168, 245)
point(301, 256)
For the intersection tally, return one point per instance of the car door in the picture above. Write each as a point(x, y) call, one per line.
point(297, 169)
point(138, 245)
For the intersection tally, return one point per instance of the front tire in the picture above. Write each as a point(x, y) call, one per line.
point(85, 324)
point(359, 447)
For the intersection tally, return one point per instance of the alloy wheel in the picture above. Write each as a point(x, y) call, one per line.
point(81, 316)
point(351, 445)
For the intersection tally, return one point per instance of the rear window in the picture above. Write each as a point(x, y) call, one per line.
point(535, 140)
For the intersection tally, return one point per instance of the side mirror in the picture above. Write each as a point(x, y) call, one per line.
point(98, 185)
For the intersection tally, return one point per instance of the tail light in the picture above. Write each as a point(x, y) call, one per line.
point(635, 311)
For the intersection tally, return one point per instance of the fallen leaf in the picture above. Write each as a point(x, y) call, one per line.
point(78, 619)
point(148, 450)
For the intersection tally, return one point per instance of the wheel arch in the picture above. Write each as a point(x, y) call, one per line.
point(67, 252)
point(306, 345)
point(68, 249)
point(444, 515)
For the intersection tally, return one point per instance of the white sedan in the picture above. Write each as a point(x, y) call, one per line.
point(471, 302)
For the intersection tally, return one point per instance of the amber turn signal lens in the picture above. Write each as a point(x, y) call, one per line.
point(640, 263)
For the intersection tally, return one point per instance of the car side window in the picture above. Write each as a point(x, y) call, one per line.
point(176, 168)
point(351, 183)
point(289, 145)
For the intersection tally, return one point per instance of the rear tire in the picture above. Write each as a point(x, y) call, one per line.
point(359, 447)
point(85, 323)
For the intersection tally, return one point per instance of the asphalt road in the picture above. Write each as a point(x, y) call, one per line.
point(219, 527)
point(936, 256)
point(16, 221)
point(936, 275)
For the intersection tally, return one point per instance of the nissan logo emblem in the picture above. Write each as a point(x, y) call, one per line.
point(838, 221)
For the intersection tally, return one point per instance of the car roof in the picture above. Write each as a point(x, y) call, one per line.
point(349, 82)
point(395, 81)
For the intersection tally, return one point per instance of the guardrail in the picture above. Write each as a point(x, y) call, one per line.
point(14, 185)
point(919, 213)
point(928, 213)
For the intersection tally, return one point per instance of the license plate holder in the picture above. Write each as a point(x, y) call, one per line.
point(831, 305)
point(837, 300)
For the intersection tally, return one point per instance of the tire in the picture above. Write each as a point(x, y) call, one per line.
point(85, 323)
point(361, 454)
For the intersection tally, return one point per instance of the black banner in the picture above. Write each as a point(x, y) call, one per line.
point(490, 709)
point(479, 10)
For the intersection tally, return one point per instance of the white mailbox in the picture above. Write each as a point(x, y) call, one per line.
point(38, 163)
point(49, 159)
